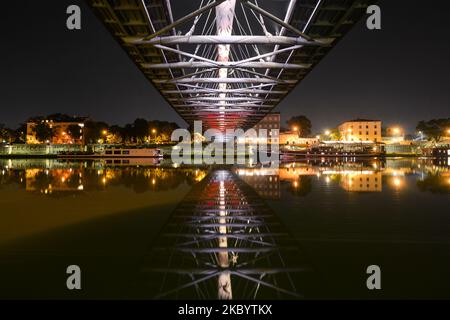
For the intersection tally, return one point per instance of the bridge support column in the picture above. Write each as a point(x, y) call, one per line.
point(225, 19)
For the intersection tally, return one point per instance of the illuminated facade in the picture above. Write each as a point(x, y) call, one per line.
point(361, 130)
point(61, 132)
point(292, 138)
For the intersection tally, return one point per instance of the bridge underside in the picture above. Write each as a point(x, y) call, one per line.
point(227, 62)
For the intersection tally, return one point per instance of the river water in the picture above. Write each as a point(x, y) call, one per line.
point(153, 230)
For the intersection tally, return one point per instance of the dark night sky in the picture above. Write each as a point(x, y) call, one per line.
point(399, 74)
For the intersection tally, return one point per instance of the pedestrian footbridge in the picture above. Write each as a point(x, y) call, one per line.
point(227, 62)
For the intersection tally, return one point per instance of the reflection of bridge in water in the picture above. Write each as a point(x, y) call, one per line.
point(223, 242)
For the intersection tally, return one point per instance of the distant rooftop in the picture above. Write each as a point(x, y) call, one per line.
point(362, 120)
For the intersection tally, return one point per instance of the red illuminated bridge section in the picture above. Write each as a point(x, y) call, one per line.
point(227, 63)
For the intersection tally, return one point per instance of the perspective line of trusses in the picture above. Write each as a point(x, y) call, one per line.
point(227, 58)
point(214, 4)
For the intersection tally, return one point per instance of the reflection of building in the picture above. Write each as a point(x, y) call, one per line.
point(264, 181)
point(58, 180)
point(269, 123)
point(67, 132)
point(292, 173)
point(361, 130)
point(362, 182)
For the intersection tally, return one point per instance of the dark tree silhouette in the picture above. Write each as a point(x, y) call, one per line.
point(43, 132)
point(302, 124)
point(434, 183)
point(434, 129)
point(141, 129)
point(74, 131)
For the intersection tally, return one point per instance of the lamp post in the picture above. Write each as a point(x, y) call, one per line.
point(154, 131)
point(328, 134)
point(105, 136)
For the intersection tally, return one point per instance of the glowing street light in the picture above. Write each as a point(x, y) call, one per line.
point(154, 131)
point(396, 131)
point(327, 132)
point(295, 129)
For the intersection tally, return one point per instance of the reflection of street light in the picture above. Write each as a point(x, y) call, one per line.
point(397, 182)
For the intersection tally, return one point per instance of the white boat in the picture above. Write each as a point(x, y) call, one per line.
point(134, 162)
point(131, 153)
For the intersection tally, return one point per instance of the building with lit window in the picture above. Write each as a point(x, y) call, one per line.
point(67, 131)
point(361, 130)
point(291, 138)
point(270, 123)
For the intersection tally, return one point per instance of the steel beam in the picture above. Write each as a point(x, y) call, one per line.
point(226, 99)
point(228, 65)
point(231, 39)
point(254, 7)
point(226, 80)
point(229, 91)
point(185, 19)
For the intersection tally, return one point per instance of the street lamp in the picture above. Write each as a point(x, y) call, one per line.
point(154, 131)
point(295, 129)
